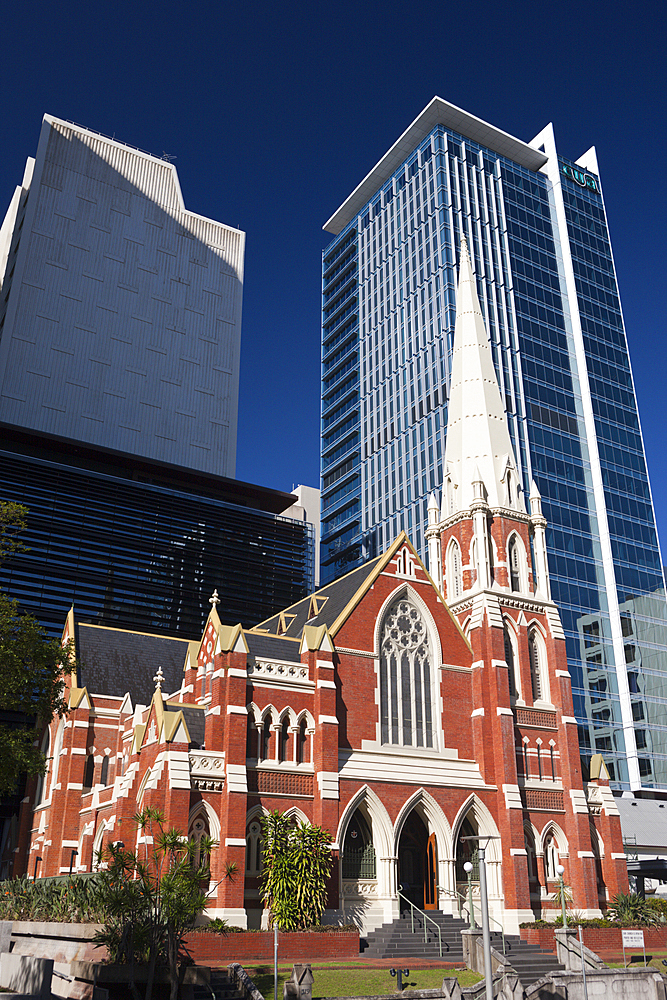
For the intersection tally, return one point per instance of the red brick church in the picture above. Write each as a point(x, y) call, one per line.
point(400, 709)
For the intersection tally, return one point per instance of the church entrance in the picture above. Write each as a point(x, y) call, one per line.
point(418, 864)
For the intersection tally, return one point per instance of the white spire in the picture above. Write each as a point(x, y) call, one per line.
point(478, 443)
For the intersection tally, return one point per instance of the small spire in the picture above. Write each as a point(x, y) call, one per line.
point(159, 677)
point(214, 599)
point(433, 509)
point(535, 499)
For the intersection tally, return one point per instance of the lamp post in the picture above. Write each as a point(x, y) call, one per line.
point(559, 872)
point(484, 899)
point(34, 874)
point(467, 868)
point(71, 860)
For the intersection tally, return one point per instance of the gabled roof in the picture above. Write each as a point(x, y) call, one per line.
point(115, 661)
point(331, 605)
point(339, 595)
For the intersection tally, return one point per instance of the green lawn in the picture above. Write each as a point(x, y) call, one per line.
point(653, 958)
point(332, 981)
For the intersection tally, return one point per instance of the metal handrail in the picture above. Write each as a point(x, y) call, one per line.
point(460, 897)
point(426, 917)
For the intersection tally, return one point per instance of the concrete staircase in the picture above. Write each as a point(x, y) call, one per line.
point(397, 941)
point(222, 988)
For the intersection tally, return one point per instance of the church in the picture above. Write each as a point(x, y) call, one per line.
point(404, 709)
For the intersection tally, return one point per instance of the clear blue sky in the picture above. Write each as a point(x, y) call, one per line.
point(275, 112)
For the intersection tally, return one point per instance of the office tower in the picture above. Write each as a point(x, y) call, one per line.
point(120, 323)
point(536, 226)
point(142, 545)
point(120, 315)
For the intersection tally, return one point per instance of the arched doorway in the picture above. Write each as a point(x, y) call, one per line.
point(467, 850)
point(358, 860)
point(418, 864)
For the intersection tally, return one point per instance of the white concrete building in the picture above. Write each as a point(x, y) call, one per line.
point(120, 314)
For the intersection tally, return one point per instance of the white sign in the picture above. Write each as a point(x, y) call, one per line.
point(633, 939)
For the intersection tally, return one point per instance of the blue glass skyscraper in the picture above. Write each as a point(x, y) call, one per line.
point(537, 232)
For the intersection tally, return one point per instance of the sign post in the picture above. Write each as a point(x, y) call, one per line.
point(633, 939)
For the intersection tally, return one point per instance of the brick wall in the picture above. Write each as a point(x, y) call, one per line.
point(258, 946)
point(598, 939)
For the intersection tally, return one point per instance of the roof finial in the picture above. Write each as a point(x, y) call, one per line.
point(214, 599)
point(159, 677)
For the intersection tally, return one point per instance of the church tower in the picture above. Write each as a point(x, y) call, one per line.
point(487, 553)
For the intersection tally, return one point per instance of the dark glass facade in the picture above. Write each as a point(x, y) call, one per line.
point(142, 548)
point(546, 282)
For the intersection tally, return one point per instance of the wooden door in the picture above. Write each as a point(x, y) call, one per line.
point(431, 875)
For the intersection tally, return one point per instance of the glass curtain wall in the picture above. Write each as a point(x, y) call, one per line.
point(385, 384)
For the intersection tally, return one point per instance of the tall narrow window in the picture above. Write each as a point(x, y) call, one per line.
point(535, 667)
point(89, 771)
point(406, 678)
point(509, 660)
point(302, 755)
point(285, 742)
point(454, 574)
point(266, 739)
point(515, 575)
point(104, 775)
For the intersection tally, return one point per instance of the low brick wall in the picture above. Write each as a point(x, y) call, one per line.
point(298, 946)
point(598, 939)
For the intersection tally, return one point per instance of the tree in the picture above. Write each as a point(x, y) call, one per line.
point(151, 902)
point(296, 866)
point(12, 520)
point(32, 671)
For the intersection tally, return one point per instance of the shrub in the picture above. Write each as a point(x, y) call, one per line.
point(630, 908)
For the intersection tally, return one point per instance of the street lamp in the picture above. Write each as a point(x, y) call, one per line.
point(484, 899)
point(467, 868)
point(34, 874)
point(71, 860)
point(559, 872)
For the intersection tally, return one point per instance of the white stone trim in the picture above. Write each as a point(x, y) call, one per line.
point(477, 712)
point(579, 803)
point(234, 842)
point(326, 684)
point(328, 718)
point(512, 797)
point(231, 710)
point(237, 780)
point(327, 782)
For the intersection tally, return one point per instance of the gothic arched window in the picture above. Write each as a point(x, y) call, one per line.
point(406, 678)
point(198, 829)
point(104, 774)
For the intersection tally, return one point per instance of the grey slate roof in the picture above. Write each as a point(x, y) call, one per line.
point(272, 647)
point(115, 662)
point(194, 719)
point(339, 594)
